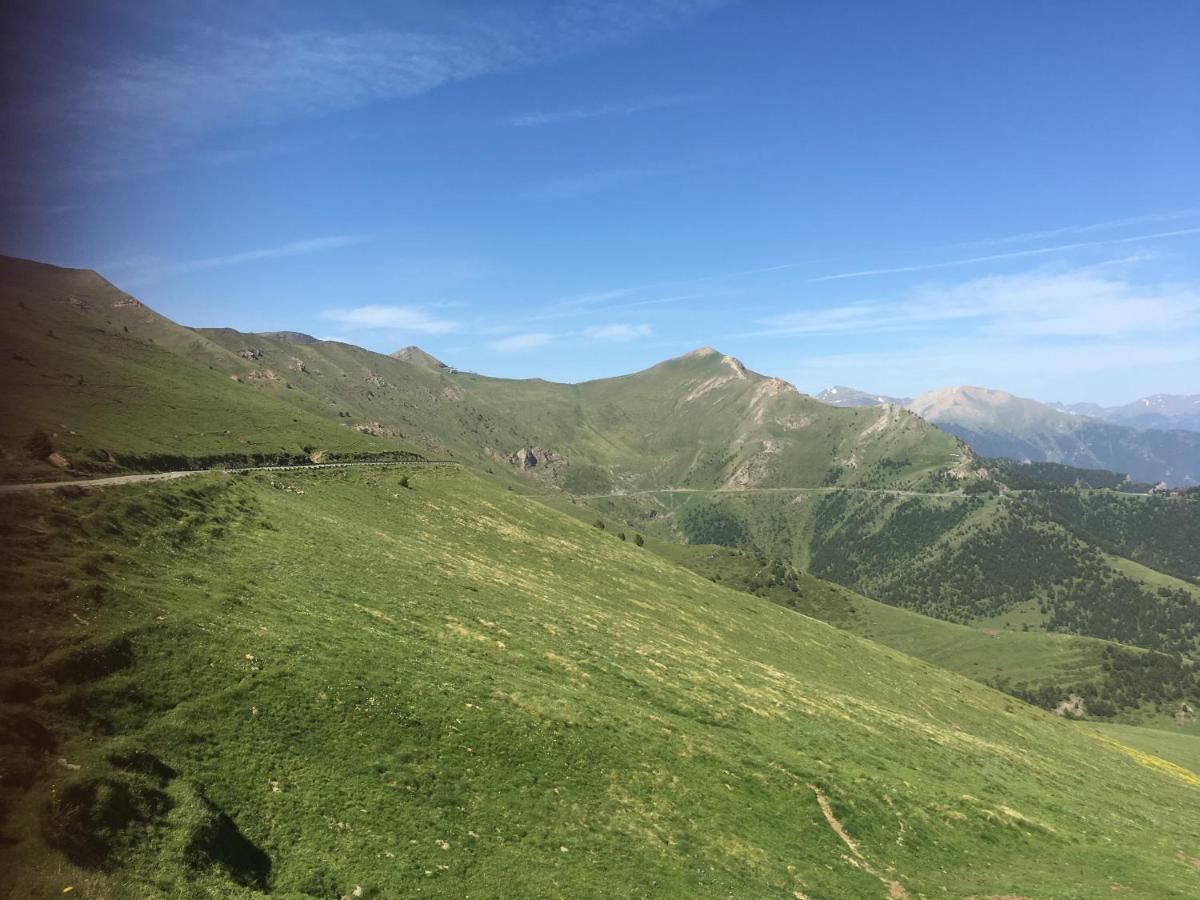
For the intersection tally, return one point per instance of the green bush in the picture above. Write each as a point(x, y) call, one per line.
point(39, 444)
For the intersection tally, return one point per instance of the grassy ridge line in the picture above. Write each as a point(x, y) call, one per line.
point(700, 419)
point(113, 384)
point(435, 690)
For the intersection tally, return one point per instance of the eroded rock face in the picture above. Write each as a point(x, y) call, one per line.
point(529, 457)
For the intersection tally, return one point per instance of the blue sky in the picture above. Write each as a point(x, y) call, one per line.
point(892, 196)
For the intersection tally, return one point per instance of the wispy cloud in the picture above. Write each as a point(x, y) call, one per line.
point(1110, 225)
point(572, 187)
point(145, 272)
point(584, 184)
point(409, 319)
point(1014, 238)
point(601, 110)
point(1072, 304)
point(138, 106)
point(617, 331)
point(599, 301)
point(526, 341)
point(295, 248)
point(1016, 254)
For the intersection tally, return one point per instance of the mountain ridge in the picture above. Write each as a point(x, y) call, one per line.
point(700, 424)
point(996, 423)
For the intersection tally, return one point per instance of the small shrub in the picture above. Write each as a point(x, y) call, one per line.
point(403, 481)
point(621, 535)
point(599, 523)
point(638, 539)
point(39, 444)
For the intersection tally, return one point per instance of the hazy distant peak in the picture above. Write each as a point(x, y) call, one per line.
point(1160, 411)
point(841, 395)
point(969, 401)
point(419, 357)
point(290, 337)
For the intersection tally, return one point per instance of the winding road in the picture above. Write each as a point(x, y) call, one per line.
point(897, 492)
point(114, 480)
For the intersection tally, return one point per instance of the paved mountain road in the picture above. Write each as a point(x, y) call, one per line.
point(142, 477)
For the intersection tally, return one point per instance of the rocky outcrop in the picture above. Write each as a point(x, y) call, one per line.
point(376, 429)
point(1185, 715)
point(1071, 708)
point(531, 457)
point(756, 468)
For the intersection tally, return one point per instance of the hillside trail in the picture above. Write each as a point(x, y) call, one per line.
point(114, 480)
point(894, 492)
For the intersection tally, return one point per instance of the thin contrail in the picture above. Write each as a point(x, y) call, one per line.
point(1016, 254)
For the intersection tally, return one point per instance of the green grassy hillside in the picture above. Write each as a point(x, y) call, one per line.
point(325, 683)
point(114, 385)
point(700, 420)
point(1113, 681)
point(985, 560)
point(1182, 749)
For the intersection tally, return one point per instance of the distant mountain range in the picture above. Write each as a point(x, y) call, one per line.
point(1154, 439)
point(1162, 411)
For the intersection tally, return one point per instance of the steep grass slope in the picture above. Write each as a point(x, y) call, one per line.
point(1182, 749)
point(1112, 680)
point(325, 684)
point(992, 561)
point(113, 383)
